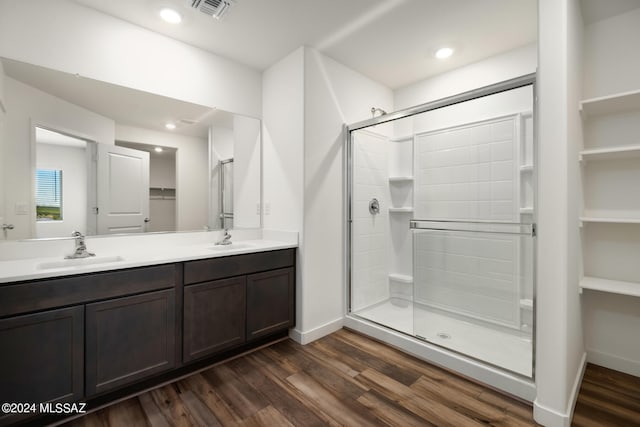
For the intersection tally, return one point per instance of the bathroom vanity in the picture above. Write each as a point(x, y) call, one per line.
point(95, 337)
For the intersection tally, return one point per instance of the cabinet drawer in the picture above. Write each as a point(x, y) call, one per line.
point(43, 294)
point(129, 339)
point(237, 265)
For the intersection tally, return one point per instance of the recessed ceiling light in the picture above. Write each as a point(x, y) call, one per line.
point(170, 126)
point(158, 149)
point(444, 52)
point(170, 16)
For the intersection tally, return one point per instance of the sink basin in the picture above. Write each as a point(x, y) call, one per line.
point(78, 262)
point(233, 247)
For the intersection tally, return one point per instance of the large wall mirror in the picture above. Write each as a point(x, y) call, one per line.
point(85, 155)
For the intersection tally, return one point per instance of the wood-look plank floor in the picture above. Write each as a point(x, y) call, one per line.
point(607, 398)
point(344, 379)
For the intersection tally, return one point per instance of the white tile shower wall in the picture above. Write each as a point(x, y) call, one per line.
point(469, 172)
point(470, 275)
point(369, 232)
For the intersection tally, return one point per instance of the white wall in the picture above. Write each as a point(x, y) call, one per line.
point(559, 348)
point(496, 69)
point(333, 95)
point(370, 237)
point(66, 36)
point(283, 155)
point(72, 161)
point(283, 139)
point(191, 172)
point(611, 61)
point(246, 172)
point(162, 171)
point(26, 107)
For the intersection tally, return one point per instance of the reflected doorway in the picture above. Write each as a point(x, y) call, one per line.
point(162, 185)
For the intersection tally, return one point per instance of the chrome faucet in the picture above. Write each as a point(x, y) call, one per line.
point(226, 239)
point(81, 247)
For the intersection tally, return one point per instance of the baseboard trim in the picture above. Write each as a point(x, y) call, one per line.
point(305, 337)
point(617, 363)
point(552, 418)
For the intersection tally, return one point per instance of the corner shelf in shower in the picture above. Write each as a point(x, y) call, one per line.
point(611, 286)
point(400, 179)
point(610, 153)
point(611, 104)
point(401, 278)
point(406, 209)
point(526, 211)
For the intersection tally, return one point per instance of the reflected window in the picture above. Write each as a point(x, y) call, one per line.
point(48, 195)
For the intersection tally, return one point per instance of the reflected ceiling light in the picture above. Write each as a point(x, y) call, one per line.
point(158, 149)
point(170, 126)
point(444, 52)
point(170, 16)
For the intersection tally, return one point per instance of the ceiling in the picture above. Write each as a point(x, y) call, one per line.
point(390, 41)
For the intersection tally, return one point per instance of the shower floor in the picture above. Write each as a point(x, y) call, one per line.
point(493, 346)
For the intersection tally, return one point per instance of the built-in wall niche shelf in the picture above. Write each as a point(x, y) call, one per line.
point(611, 104)
point(526, 304)
point(526, 168)
point(406, 209)
point(401, 179)
point(401, 278)
point(611, 286)
point(526, 211)
point(159, 193)
point(609, 153)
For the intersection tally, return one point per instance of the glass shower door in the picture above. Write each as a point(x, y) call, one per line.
point(473, 235)
point(470, 289)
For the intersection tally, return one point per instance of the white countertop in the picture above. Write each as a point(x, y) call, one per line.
point(151, 251)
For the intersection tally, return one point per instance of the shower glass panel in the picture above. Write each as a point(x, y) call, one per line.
point(226, 193)
point(448, 257)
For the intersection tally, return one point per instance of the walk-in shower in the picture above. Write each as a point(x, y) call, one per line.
point(441, 232)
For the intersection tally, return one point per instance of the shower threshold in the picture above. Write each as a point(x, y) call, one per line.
point(499, 348)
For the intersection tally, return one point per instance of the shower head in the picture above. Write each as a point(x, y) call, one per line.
point(375, 110)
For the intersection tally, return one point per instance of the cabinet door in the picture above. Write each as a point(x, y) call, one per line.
point(270, 302)
point(129, 339)
point(42, 357)
point(214, 317)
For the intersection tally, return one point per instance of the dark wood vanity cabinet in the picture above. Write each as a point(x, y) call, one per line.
point(99, 335)
point(214, 317)
point(129, 339)
point(270, 302)
point(234, 300)
point(42, 358)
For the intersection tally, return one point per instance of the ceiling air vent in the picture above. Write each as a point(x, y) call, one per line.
point(215, 8)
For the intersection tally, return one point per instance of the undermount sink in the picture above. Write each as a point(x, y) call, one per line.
point(233, 246)
point(78, 262)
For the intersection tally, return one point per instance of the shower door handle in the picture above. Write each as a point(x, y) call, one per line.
point(494, 227)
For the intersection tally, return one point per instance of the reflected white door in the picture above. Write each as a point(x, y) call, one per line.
point(123, 189)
